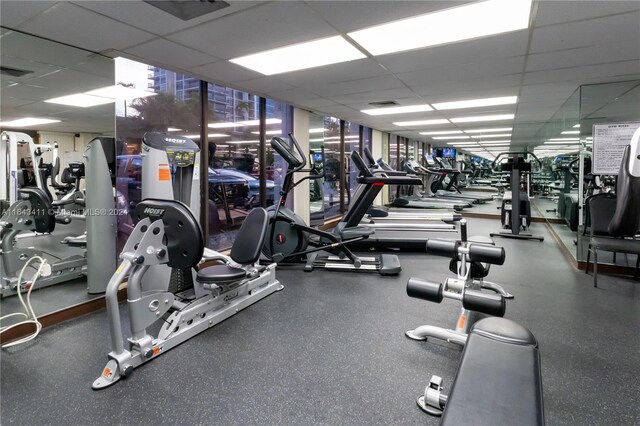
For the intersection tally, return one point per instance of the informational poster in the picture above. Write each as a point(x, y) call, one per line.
point(609, 141)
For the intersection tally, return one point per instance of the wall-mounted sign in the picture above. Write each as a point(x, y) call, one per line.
point(609, 141)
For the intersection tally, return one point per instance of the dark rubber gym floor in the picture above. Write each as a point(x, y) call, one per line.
point(330, 349)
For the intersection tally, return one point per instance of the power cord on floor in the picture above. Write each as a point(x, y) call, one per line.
point(43, 270)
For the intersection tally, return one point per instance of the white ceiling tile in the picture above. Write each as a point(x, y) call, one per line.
point(68, 23)
point(149, 18)
point(224, 72)
point(296, 96)
point(374, 95)
point(583, 74)
point(263, 85)
point(557, 12)
point(23, 46)
point(586, 33)
point(267, 26)
point(69, 81)
point(621, 50)
point(365, 85)
point(319, 102)
point(461, 89)
point(14, 13)
point(352, 15)
point(167, 53)
point(459, 54)
point(471, 71)
point(334, 73)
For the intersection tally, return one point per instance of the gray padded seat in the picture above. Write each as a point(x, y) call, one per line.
point(498, 381)
point(220, 273)
point(245, 251)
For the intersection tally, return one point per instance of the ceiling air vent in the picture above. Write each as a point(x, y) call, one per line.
point(188, 9)
point(13, 72)
point(383, 104)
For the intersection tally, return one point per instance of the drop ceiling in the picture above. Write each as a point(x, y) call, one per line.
point(570, 43)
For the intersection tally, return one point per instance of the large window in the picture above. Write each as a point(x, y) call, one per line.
point(351, 143)
point(332, 166)
point(279, 122)
point(234, 161)
point(148, 100)
point(317, 198)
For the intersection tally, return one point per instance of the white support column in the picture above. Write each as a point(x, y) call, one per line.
point(377, 152)
point(301, 205)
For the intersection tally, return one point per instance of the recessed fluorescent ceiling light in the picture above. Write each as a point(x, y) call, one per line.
point(463, 143)
point(317, 130)
point(211, 135)
point(444, 132)
point(120, 92)
point(562, 143)
point(268, 132)
point(475, 103)
point(27, 121)
point(300, 56)
point(564, 139)
point(497, 135)
point(397, 110)
point(495, 129)
point(483, 118)
point(571, 132)
point(577, 126)
point(226, 124)
point(507, 143)
point(80, 100)
point(422, 122)
point(242, 142)
point(479, 19)
point(173, 129)
point(444, 138)
point(494, 142)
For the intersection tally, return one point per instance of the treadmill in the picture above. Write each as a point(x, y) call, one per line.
point(382, 213)
point(450, 190)
point(432, 175)
point(399, 234)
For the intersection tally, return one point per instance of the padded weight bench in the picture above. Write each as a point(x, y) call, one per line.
point(498, 380)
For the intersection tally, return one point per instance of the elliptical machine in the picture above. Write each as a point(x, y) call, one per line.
point(290, 240)
point(515, 212)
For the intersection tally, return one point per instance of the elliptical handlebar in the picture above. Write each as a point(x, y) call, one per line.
point(297, 160)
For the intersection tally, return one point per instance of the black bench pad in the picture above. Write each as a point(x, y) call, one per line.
point(498, 380)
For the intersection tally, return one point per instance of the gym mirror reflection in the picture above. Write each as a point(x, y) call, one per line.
point(568, 179)
point(57, 102)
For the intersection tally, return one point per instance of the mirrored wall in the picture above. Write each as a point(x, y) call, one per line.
point(55, 99)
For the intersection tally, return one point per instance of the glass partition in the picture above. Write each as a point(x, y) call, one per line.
point(614, 109)
point(351, 143)
point(150, 99)
point(332, 167)
point(317, 198)
point(234, 166)
point(56, 99)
